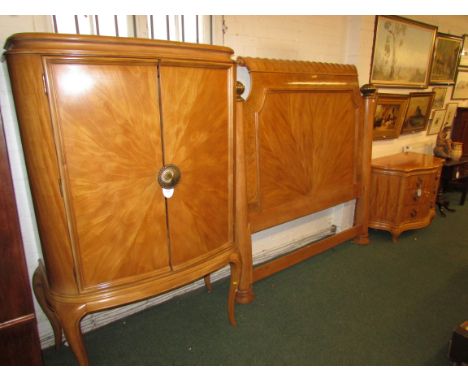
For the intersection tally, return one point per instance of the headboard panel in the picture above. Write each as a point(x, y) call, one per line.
point(302, 124)
point(308, 135)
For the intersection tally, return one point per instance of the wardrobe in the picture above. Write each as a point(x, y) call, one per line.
point(133, 160)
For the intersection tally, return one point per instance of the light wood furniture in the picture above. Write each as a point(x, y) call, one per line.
point(100, 119)
point(308, 137)
point(19, 340)
point(403, 192)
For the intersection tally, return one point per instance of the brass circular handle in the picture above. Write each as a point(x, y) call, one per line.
point(169, 176)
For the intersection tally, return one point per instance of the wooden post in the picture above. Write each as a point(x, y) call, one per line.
point(245, 293)
point(362, 204)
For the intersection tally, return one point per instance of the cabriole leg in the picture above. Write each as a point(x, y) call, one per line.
point(70, 317)
point(40, 289)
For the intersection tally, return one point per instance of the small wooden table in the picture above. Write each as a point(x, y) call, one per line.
point(455, 176)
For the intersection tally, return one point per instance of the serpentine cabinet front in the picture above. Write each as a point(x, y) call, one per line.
point(108, 124)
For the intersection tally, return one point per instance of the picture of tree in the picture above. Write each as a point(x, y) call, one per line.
point(394, 35)
point(402, 52)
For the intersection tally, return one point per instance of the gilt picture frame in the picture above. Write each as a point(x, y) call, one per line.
point(389, 114)
point(464, 52)
point(445, 60)
point(436, 122)
point(450, 114)
point(460, 90)
point(440, 93)
point(417, 112)
point(402, 52)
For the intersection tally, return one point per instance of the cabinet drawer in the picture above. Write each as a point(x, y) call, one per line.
point(420, 196)
point(415, 196)
point(425, 182)
point(415, 212)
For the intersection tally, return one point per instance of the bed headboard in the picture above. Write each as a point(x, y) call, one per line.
point(307, 141)
point(303, 136)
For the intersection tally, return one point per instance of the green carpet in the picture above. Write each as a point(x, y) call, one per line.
point(381, 304)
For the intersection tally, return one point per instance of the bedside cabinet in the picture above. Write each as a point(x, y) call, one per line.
point(403, 192)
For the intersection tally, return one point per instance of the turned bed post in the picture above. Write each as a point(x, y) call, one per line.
point(245, 293)
point(362, 204)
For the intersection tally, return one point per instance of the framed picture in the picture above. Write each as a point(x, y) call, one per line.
point(437, 121)
point(451, 113)
point(389, 114)
point(464, 53)
point(417, 112)
point(439, 97)
point(402, 52)
point(444, 64)
point(460, 91)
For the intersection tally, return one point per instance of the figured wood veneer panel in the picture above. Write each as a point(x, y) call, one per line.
point(307, 156)
point(107, 117)
point(197, 139)
point(385, 197)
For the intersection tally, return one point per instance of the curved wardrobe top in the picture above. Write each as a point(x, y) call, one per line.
point(83, 45)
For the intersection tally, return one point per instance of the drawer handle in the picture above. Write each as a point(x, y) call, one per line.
point(417, 194)
point(413, 213)
point(169, 176)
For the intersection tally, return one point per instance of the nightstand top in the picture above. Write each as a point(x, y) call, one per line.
point(407, 161)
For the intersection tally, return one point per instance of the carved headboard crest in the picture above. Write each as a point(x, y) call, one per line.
point(267, 65)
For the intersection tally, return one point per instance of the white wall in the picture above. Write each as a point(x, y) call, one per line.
point(292, 37)
point(340, 39)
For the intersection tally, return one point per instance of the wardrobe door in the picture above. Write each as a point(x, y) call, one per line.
point(196, 115)
point(107, 129)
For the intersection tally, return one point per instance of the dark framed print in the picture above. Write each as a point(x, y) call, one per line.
point(439, 97)
point(389, 113)
point(460, 90)
point(436, 122)
point(402, 52)
point(446, 53)
point(464, 53)
point(417, 112)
